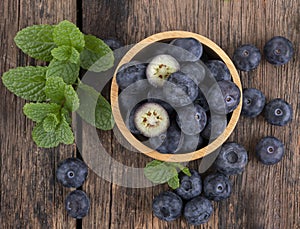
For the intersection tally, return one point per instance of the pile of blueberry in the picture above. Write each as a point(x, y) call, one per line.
point(72, 173)
point(171, 93)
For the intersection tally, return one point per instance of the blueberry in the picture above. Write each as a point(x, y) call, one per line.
point(216, 187)
point(167, 206)
point(195, 70)
point(278, 50)
point(223, 97)
point(77, 204)
point(191, 143)
point(191, 119)
point(253, 102)
point(198, 210)
point(71, 172)
point(246, 57)
point(113, 43)
point(192, 45)
point(168, 142)
point(269, 150)
point(130, 118)
point(130, 73)
point(201, 99)
point(190, 186)
point(180, 90)
point(232, 159)
point(278, 112)
point(214, 128)
point(218, 70)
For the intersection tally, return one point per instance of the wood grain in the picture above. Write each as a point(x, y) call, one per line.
point(264, 197)
point(30, 196)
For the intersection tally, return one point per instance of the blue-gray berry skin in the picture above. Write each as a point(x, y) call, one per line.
point(168, 142)
point(201, 99)
point(190, 186)
point(77, 204)
point(278, 50)
point(246, 57)
point(223, 97)
point(130, 73)
point(113, 43)
point(198, 210)
point(253, 102)
point(71, 172)
point(191, 143)
point(232, 159)
point(192, 45)
point(195, 70)
point(167, 206)
point(269, 150)
point(214, 128)
point(180, 90)
point(216, 187)
point(278, 112)
point(218, 70)
point(191, 119)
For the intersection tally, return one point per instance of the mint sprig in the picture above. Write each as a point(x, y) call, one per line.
point(160, 172)
point(53, 87)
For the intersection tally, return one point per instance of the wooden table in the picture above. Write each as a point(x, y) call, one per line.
point(263, 196)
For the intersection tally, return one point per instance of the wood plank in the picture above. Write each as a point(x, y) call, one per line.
point(30, 196)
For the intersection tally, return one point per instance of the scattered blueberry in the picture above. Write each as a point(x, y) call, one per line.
point(216, 187)
point(167, 206)
point(191, 119)
point(192, 45)
point(77, 204)
point(113, 43)
point(223, 97)
point(278, 112)
point(195, 70)
point(253, 102)
point(71, 172)
point(190, 186)
point(246, 57)
point(218, 70)
point(180, 90)
point(278, 50)
point(130, 73)
point(269, 150)
point(198, 210)
point(232, 159)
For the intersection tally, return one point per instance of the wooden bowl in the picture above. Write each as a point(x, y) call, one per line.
point(212, 49)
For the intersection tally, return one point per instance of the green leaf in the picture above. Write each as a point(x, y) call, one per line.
point(68, 71)
point(66, 115)
point(26, 82)
point(94, 108)
point(50, 122)
point(36, 41)
point(66, 53)
point(72, 100)
point(66, 33)
point(55, 89)
point(38, 111)
point(159, 172)
point(96, 55)
point(186, 171)
point(62, 134)
point(174, 182)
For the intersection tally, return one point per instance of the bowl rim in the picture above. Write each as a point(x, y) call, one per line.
point(212, 146)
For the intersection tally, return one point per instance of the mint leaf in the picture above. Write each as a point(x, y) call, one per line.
point(26, 82)
point(50, 122)
point(38, 111)
point(186, 171)
point(68, 71)
point(66, 115)
point(55, 89)
point(62, 134)
point(36, 41)
point(66, 53)
point(159, 172)
point(96, 55)
point(94, 108)
point(66, 33)
point(174, 182)
point(72, 100)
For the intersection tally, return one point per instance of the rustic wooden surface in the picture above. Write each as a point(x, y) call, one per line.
point(263, 196)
